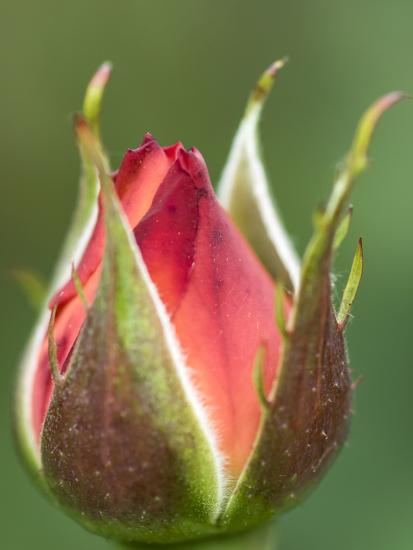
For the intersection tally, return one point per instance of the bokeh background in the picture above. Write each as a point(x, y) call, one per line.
point(183, 69)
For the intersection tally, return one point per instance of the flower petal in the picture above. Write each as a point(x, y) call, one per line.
point(137, 180)
point(220, 296)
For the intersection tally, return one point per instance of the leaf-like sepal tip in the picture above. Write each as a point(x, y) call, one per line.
point(358, 156)
point(265, 84)
point(92, 102)
point(352, 286)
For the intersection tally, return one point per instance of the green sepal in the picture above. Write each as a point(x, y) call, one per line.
point(52, 350)
point(310, 405)
point(79, 289)
point(258, 378)
point(92, 102)
point(89, 185)
point(124, 447)
point(342, 229)
point(279, 311)
point(79, 231)
point(352, 286)
point(244, 191)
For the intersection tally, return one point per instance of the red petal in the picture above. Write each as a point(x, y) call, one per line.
point(137, 180)
point(218, 294)
point(166, 235)
point(221, 297)
point(140, 175)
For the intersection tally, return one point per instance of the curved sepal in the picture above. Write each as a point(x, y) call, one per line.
point(244, 191)
point(86, 210)
point(126, 444)
point(352, 286)
point(92, 102)
point(78, 235)
point(308, 417)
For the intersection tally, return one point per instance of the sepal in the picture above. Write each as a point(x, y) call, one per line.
point(308, 419)
point(352, 286)
point(78, 235)
point(52, 352)
point(342, 229)
point(244, 191)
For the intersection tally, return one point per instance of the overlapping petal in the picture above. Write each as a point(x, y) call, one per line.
point(219, 296)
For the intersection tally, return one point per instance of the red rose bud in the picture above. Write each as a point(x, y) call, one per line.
point(172, 391)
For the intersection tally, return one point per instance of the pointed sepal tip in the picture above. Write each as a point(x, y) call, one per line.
point(265, 84)
point(94, 93)
point(367, 126)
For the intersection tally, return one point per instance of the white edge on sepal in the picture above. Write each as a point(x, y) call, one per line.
point(245, 146)
point(30, 358)
point(357, 161)
point(76, 242)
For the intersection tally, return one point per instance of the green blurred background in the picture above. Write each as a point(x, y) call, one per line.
point(183, 69)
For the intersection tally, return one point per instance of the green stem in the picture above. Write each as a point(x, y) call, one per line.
point(262, 539)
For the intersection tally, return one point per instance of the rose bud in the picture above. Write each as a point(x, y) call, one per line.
point(188, 377)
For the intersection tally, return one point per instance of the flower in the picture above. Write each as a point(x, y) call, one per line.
point(188, 377)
